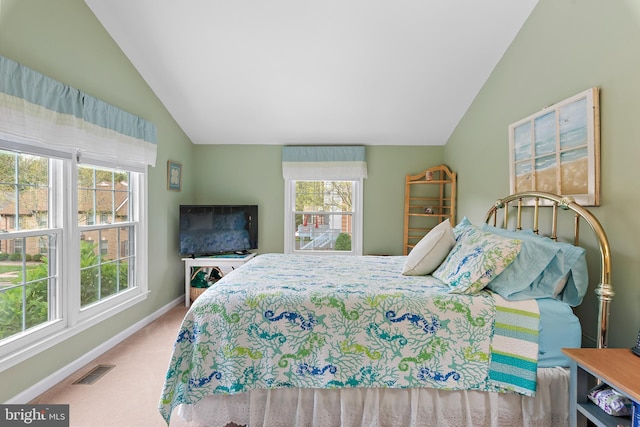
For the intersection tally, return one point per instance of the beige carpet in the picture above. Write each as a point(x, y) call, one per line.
point(128, 394)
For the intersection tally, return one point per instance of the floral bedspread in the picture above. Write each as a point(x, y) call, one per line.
point(342, 321)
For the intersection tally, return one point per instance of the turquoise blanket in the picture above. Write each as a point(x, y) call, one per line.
point(353, 322)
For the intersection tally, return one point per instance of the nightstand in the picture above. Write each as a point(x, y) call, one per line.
point(226, 263)
point(617, 367)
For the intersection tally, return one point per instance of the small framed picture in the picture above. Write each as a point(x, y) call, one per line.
point(174, 176)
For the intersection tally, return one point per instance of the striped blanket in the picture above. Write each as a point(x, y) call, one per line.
point(355, 322)
point(514, 348)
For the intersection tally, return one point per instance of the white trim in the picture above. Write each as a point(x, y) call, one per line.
point(58, 376)
point(288, 214)
point(28, 351)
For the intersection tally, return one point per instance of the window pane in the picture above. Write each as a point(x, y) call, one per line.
point(89, 285)
point(24, 192)
point(26, 284)
point(103, 196)
point(323, 232)
point(323, 218)
point(105, 257)
point(326, 196)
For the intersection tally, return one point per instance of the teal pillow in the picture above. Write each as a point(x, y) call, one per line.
point(544, 268)
point(476, 259)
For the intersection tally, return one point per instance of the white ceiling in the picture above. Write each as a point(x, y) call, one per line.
point(373, 72)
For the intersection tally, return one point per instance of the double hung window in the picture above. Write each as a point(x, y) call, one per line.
point(324, 216)
point(105, 269)
point(323, 199)
point(68, 246)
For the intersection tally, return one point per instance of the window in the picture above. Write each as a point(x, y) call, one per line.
point(323, 198)
point(324, 217)
point(17, 246)
point(47, 294)
point(27, 289)
point(104, 270)
point(43, 246)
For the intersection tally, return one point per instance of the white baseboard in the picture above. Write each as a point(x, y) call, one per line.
point(37, 389)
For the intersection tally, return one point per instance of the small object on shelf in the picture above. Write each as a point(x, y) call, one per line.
point(199, 283)
point(428, 210)
point(199, 278)
point(610, 401)
point(635, 416)
point(636, 349)
point(196, 292)
point(215, 275)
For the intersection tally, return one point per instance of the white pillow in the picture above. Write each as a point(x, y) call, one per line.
point(430, 251)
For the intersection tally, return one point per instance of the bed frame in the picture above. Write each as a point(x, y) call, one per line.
point(531, 202)
point(514, 211)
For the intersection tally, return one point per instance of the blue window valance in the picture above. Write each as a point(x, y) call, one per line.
point(38, 110)
point(333, 162)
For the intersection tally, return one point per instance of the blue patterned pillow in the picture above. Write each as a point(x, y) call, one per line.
point(475, 260)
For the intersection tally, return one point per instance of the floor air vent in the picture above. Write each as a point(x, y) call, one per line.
point(95, 374)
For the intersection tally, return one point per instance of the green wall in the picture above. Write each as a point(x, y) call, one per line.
point(565, 47)
point(63, 39)
point(252, 174)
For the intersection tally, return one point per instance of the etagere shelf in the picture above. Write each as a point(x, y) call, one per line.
point(429, 199)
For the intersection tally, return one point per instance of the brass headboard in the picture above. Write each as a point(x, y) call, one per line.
point(535, 200)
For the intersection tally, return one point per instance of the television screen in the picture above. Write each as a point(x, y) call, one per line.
point(217, 229)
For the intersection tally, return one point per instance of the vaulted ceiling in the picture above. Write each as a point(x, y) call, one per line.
point(373, 72)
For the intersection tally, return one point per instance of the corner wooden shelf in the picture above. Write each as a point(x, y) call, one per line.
point(429, 199)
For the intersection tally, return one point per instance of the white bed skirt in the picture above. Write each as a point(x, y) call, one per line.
point(388, 407)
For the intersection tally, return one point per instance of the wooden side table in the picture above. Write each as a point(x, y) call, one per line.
point(617, 367)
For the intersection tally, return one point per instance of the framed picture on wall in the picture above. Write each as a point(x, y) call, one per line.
point(557, 150)
point(174, 176)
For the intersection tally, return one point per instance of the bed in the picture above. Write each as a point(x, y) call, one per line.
point(462, 332)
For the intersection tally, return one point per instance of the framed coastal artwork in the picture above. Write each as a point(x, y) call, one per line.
point(557, 150)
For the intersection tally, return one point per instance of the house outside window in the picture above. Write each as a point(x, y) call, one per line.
point(35, 223)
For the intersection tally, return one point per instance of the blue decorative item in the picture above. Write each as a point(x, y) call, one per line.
point(636, 349)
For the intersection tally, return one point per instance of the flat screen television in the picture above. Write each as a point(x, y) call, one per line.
point(217, 229)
